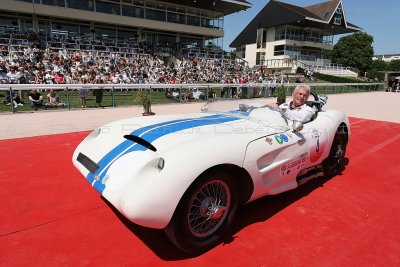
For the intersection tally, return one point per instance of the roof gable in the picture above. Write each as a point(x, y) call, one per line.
point(278, 14)
point(300, 10)
point(324, 10)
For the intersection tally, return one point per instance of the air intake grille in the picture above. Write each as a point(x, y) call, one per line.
point(88, 163)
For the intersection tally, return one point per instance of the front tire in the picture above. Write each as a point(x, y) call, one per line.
point(204, 213)
point(334, 163)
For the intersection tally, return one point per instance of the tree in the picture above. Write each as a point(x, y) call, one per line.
point(281, 98)
point(354, 51)
point(394, 65)
point(379, 65)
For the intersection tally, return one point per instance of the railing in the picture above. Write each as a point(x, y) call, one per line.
point(212, 90)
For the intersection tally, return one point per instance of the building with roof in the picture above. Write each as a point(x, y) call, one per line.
point(283, 37)
point(387, 57)
point(164, 22)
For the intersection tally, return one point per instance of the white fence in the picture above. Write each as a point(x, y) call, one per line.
point(250, 90)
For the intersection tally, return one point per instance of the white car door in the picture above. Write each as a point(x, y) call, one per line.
point(274, 161)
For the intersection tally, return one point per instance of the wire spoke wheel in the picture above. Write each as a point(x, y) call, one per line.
point(207, 209)
point(205, 212)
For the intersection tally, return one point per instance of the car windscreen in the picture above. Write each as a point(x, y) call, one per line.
point(265, 115)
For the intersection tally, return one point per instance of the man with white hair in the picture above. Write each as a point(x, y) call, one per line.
point(297, 109)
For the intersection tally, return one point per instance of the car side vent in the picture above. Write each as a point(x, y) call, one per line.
point(88, 163)
point(140, 141)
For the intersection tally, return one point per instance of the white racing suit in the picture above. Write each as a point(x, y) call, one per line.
point(301, 113)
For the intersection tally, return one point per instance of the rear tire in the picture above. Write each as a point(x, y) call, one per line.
point(334, 163)
point(204, 213)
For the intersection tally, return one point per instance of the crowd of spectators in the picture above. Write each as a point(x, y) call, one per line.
point(29, 62)
point(33, 61)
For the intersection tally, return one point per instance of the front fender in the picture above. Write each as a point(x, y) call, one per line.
point(153, 204)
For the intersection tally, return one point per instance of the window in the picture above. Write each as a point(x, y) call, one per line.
point(259, 37)
point(260, 58)
point(81, 4)
point(176, 18)
point(207, 23)
point(155, 14)
point(138, 2)
point(132, 11)
point(337, 21)
point(54, 2)
point(106, 7)
point(264, 39)
point(191, 20)
point(279, 50)
point(280, 33)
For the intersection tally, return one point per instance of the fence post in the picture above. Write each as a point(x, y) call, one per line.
point(112, 97)
point(180, 94)
point(149, 93)
point(11, 100)
point(68, 102)
point(207, 90)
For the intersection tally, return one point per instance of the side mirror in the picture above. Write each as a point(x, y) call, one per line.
point(297, 126)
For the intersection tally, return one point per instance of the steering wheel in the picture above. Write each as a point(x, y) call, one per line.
point(314, 103)
point(314, 94)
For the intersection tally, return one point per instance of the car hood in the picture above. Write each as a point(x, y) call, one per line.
point(169, 130)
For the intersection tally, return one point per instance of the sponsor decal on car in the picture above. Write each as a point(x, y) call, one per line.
point(287, 168)
point(317, 144)
point(278, 138)
point(284, 138)
point(269, 140)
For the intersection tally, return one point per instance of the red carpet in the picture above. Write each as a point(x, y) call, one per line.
point(50, 216)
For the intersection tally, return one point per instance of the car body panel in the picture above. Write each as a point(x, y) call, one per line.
point(129, 177)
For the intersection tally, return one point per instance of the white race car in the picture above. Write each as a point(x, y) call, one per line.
point(187, 174)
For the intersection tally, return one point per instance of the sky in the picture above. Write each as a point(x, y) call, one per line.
point(379, 18)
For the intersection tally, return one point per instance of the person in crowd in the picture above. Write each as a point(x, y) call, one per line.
point(98, 93)
point(297, 109)
point(21, 76)
point(59, 77)
point(49, 77)
point(83, 93)
point(11, 75)
point(197, 94)
point(3, 73)
point(13, 99)
point(31, 76)
point(36, 100)
point(53, 100)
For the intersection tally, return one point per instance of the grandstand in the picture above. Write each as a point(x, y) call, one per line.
point(126, 41)
point(120, 26)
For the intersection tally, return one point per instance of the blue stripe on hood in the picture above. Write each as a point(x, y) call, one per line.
point(150, 133)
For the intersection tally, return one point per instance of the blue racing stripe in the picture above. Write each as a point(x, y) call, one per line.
point(150, 133)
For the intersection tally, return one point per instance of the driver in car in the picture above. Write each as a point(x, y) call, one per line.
point(297, 109)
